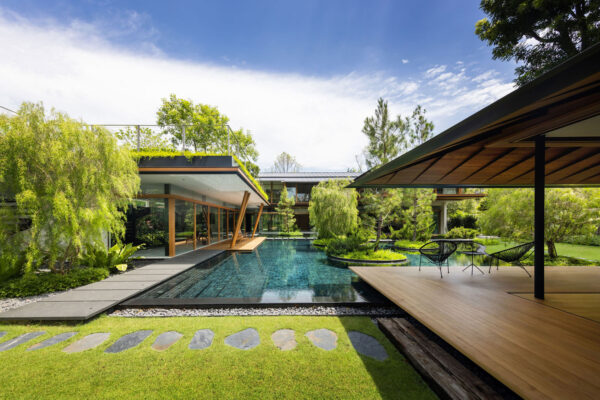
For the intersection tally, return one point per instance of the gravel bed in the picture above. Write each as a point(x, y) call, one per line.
point(257, 311)
point(10, 303)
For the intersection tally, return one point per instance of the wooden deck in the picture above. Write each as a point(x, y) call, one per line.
point(243, 244)
point(539, 349)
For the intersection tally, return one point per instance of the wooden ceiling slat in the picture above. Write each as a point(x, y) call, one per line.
point(573, 168)
point(407, 175)
point(592, 180)
point(526, 167)
point(472, 165)
point(556, 166)
point(447, 163)
point(580, 176)
point(501, 164)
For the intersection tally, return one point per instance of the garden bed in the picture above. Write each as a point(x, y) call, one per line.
point(368, 262)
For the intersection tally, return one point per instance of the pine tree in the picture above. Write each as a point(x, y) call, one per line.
point(286, 212)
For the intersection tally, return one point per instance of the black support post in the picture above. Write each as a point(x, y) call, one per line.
point(540, 183)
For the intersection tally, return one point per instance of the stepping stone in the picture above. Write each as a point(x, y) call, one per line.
point(367, 346)
point(53, 340)
point(323, 338)
point(284, 339)
point(128, 341)
point(26, 337)
point(2, 333)
point(89, 342)
point(166, 340)
point(202, 339)
point(244, 340)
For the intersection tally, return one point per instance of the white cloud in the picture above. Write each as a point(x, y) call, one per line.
point(404, 61)
point(76, 69)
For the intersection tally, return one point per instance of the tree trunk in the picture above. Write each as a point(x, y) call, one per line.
point(551, 249)
point(379, 227)
point(414, 235)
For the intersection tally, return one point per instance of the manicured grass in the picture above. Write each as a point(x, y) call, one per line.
point(379, 255)
point(219, 372)
point(563, 249)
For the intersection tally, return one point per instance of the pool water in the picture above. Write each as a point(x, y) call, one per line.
point(278, 271)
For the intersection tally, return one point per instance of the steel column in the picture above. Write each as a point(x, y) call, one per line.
point(540, 178)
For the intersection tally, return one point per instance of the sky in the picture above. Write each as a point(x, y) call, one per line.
point(301, 76)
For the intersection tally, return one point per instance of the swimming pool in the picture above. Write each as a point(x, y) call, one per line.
point(278, 271)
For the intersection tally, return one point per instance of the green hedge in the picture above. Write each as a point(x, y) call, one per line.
point(379, 255)
point(48, 282)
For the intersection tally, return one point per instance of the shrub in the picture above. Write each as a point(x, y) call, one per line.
point(379, 255)
point(462, 220)
point(340, 246)
point(585, 240)
point(36, 284)
point(322, 242)
point(291, 234)
point(461, 233)
point(113, 258)
point(408, 244)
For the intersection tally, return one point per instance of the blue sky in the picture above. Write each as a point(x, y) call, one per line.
point(296, 74)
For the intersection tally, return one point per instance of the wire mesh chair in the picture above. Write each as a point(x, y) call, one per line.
point(512, 255)
point(437, 252)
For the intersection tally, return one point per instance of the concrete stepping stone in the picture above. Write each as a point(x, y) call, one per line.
point(128, 341)
point(166, 340)
point(367, 345)
point(202, 339)
point(52, 341)
point(2, 333)
point(26, 337)
point(284, 339)
point(323, 338)
point(89, 342)
point(244, 340)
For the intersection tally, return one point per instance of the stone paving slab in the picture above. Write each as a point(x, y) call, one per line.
point(52, 310)
point(87, 301)
point(166, 340)
point(128, 341)
point(89, 342)
point(323, 339)
point(202, 339)
point(91, 295)
point(244, 340)
point(367, 345)
point(61, 337)
point(14, 342)
point(2, 333)
point(284, 339)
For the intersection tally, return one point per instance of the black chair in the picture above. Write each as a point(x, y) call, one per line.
point(437, 252)
point(512, 255)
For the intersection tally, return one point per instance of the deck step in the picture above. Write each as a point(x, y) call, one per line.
point(447, 376)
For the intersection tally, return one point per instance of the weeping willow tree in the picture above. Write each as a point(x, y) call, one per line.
point(64, 185)
point(333, 209)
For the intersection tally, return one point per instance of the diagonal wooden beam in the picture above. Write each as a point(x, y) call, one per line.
point(257, 219)
point(238, 223)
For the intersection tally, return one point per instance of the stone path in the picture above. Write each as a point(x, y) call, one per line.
point(244, 340)
point(367, 345)
point(53, 340)
point(166, 340)
point(89, 342)
point(323, 338)
point(202, 339)
point(283, 339)
point(90, 300)
point(26, 337)
point(128, 341)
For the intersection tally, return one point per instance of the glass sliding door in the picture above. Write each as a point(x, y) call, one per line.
point(214, 224)
point(201, 225)
point(184, 226)
point(147, 225)
point(223, 220)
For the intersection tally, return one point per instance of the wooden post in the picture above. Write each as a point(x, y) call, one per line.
point(240, 218)
point(171, 227)
point(195, 233)
point(208, 225)
point(257, 219)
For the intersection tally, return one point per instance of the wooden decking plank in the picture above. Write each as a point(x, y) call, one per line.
point(536, 350)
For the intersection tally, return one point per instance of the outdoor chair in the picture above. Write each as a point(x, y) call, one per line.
point(437, 252)
point(512, 255)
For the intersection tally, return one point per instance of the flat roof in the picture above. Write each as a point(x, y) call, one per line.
point(495, 146)
point(305, 176)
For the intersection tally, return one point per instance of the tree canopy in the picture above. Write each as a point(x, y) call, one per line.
point(333, 208)
point(64, 183)
point(206, 130)
point(540, 34)
point(417, 214)
point(567, 212)
point(382, 207)
point(286, 212)
point(286, 163)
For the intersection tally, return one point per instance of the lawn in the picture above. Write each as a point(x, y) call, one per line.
point(563, 249)
point(217, 372)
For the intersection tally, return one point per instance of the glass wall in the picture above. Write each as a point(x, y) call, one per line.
point(223, 220)
point(147, 224)
point(214, 227)
point(201, 225)
point(231, 223)
point(184, 226)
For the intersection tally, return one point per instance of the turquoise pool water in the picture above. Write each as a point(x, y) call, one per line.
point(278, 271)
